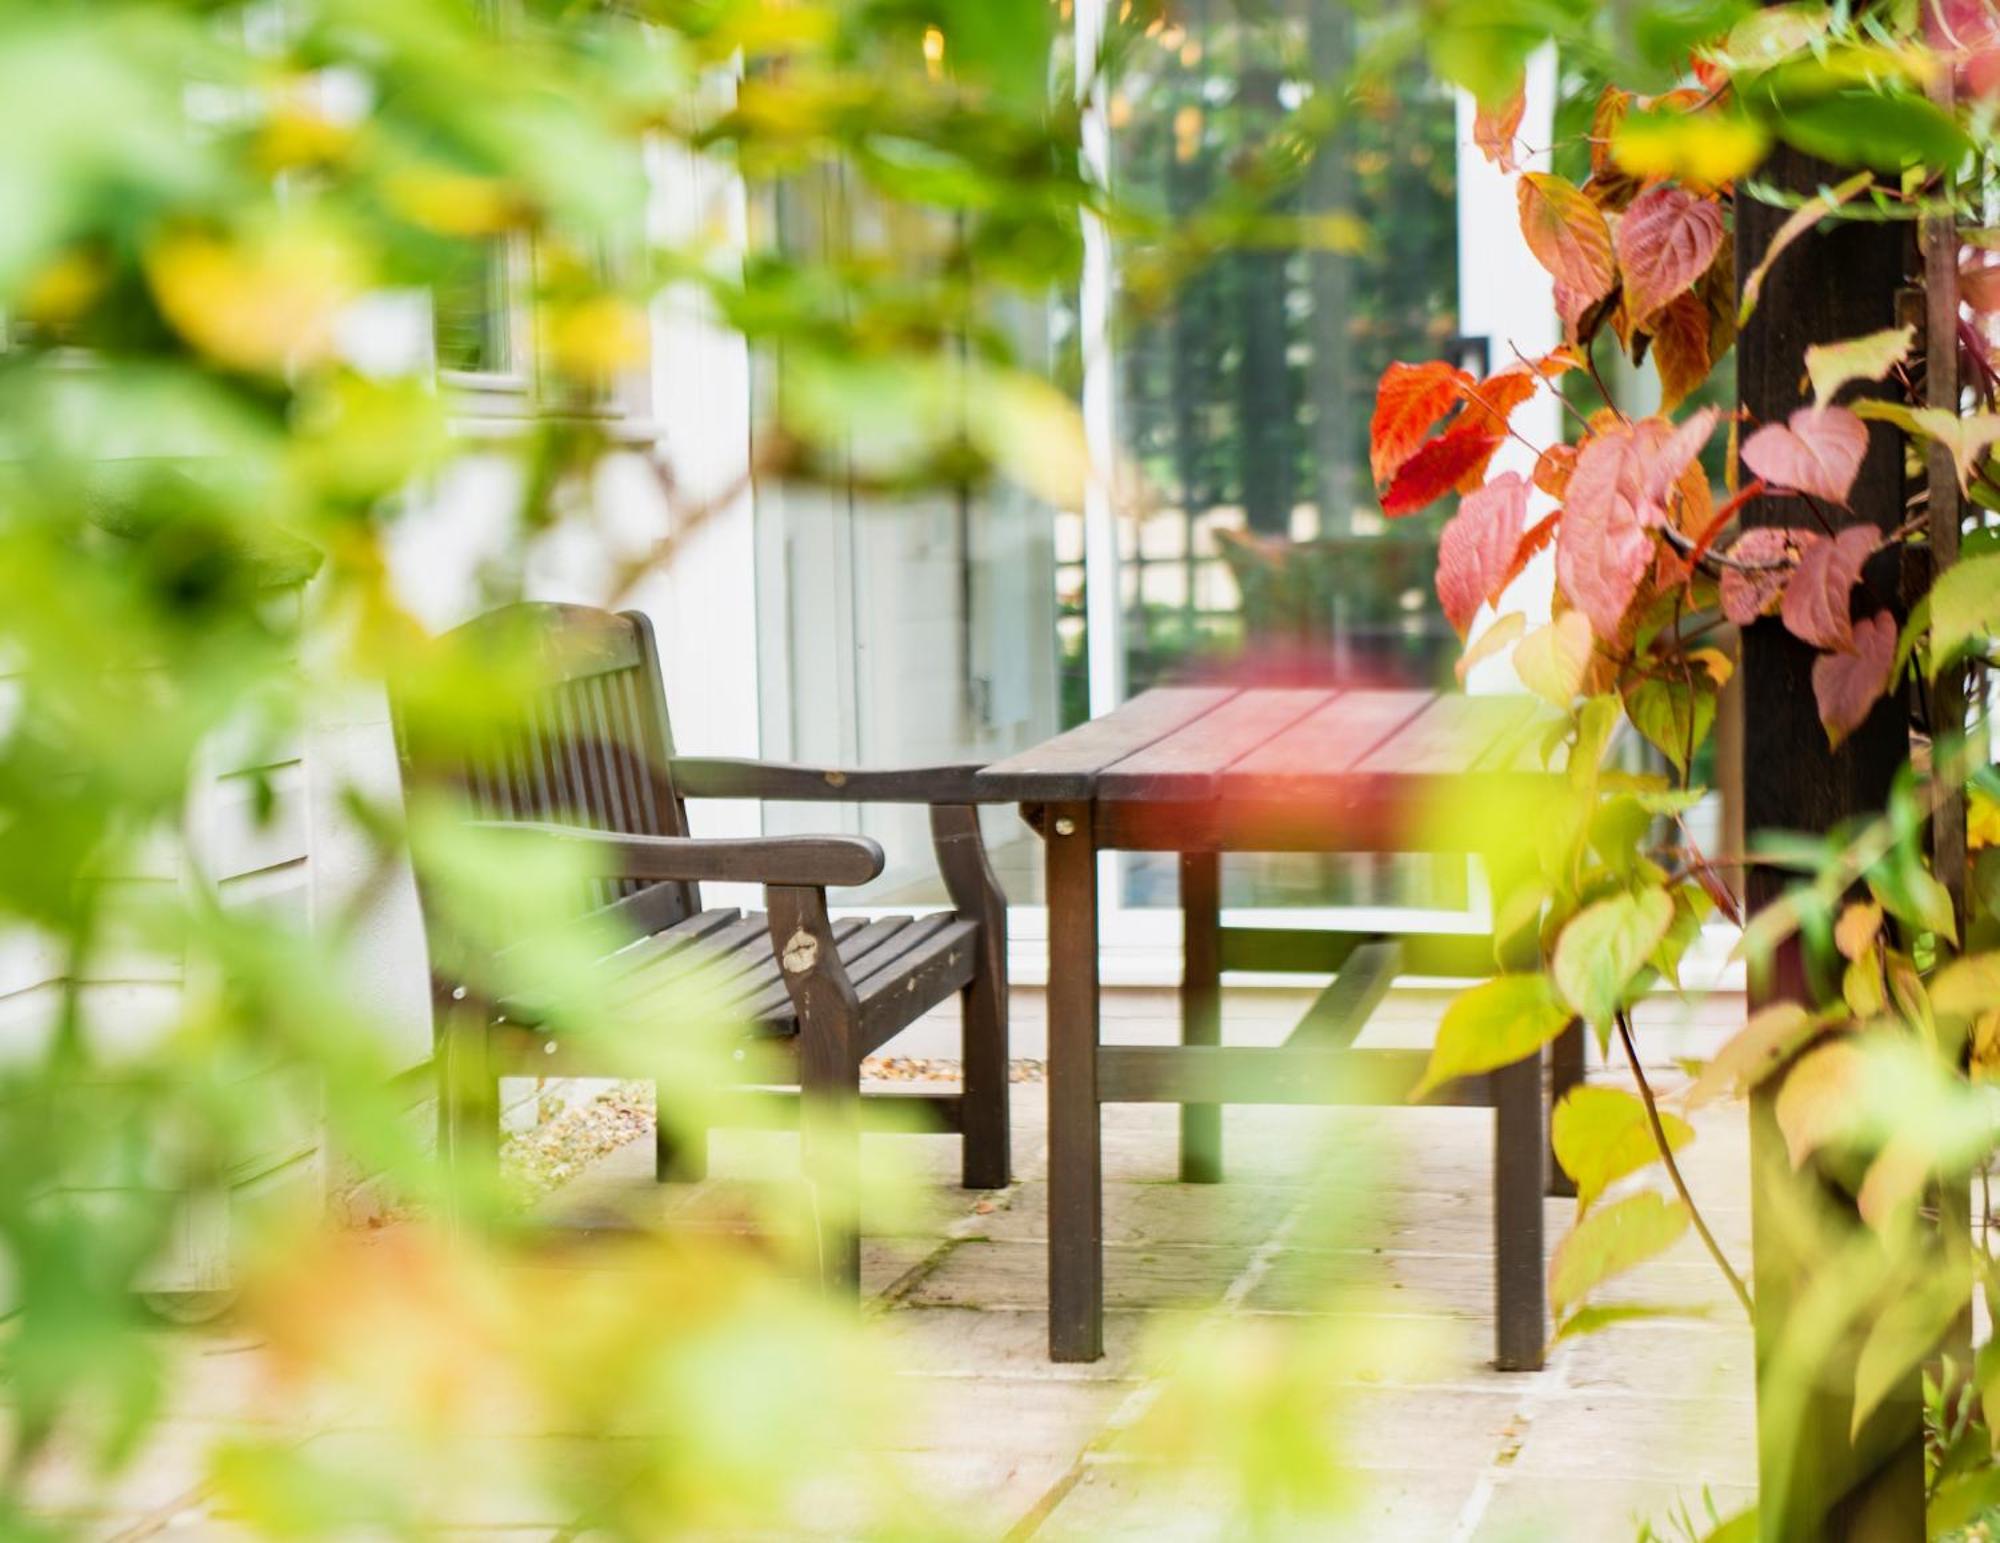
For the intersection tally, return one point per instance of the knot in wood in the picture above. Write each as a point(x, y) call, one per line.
point(801, 952)
point(836, 779)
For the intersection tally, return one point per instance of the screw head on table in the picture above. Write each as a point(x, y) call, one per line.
point(1065, 826)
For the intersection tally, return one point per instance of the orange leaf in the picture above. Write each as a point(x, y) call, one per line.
point(1461, 451)
point(1680, 349)
point(1494, 130)
point(1552, 469)
point(1409, 402)
point(1568, 236)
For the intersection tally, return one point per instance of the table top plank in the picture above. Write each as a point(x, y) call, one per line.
point(1186, 764)
point(1327, 743)
point(1451, 736)
point(1067, 766)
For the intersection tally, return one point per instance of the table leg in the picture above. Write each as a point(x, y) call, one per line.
point(1565, 1072)
point(1076, 1189)
point(1520, 1151)
point(1201, 1006)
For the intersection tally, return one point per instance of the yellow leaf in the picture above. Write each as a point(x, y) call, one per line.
point(1496, 1023)
point(1718, 664)
point(1982, 819)
point(1705, 149)
point(1601, 1134)
point(1610, 1241)
point(453, 203)
point(63, 288)
point(1505, 630)
point(1552, 660)
point(594, 337)
point(1759, 1048)
point(1967, 986)
point(1859, 925)
point(263, 302)
point(297, 134)
point(1817, 1103)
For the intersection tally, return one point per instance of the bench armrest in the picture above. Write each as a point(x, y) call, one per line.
point(728, 777)
point(789, 860)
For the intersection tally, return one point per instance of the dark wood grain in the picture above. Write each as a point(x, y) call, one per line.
point(1328, 742)
point(835, 860)
point(1201, 1005)
point(725, 777)
point(1067, 767)
point(1076, 1183)
point(1259, 1074)
point(1188, 764)
point(1839, 282)
point(977, 896)
point(1340, 1012)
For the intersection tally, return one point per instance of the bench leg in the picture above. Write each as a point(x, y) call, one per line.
point(468, 1099)
point(1520, 1145)
point(679, 1157)
point(1201, 1006)
point(1076, 1189)
point(968, 876)
point(829, 1078)
point(1565, 1072)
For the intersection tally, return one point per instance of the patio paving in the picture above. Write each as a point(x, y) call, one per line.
point(1365, 1230)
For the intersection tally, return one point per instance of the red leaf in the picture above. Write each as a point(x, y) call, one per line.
point(1477, 547)
point(1605, 547)
point(1680, 350)
point(1491, 403)
point(1461, 451)
point(1409, 403)
point(1750, 593)
point(1568, 236)
point(1816, 599)
point(1494, 129)
point(1539, 535)
point(1817, 451)
point(1847, 685)
point(1666, 241)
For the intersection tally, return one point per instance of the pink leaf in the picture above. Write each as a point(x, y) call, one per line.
point(1675, 454)
point(1847, 685)
point(1818, 451)
point(1604, 547)
point(1665, 241)
point(1816, 599)
point(1749, 594)
point(1477, 547)
point(1494, 129)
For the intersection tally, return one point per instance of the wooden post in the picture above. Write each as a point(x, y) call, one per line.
point(1838, 283)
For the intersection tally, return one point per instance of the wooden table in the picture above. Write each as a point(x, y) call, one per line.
point(1199, 771)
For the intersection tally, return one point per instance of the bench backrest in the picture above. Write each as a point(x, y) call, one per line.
point(590, 743)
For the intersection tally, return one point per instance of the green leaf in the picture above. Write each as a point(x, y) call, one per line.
point(1589, 1320)
point(1965, 608)
point(1910, 1326)
point(1867, 128)
point(1832, 365)
point(1961, 1500)
point(1674, 715)
point(1612, 1240)
point(1601, 1134)
point(1605, 946)
point(1496, 1023)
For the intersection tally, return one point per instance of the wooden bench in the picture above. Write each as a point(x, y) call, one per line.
point(585, 759)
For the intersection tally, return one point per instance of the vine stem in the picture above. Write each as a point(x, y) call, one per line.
point(1674, 1169)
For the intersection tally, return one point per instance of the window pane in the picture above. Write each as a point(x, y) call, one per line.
point(1255, 547)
